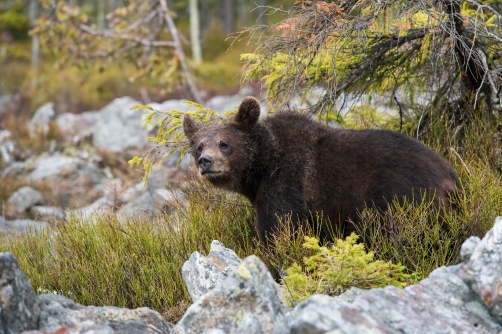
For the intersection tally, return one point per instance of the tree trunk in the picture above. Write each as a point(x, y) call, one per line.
point(261, 12)
point(194, 31)
point(227, 18)
point(475, 71)
point(194, 92)
point(101, 14)
point(243, 10)
point(35, 49)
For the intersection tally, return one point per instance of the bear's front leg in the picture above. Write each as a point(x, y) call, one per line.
point(276, 207)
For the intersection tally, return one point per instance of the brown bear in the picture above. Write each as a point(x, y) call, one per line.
point(288, 163)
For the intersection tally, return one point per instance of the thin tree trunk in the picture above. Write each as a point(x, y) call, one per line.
point(261, 12)
point(101, 14)
point(35, 48)
point(184, 66)
point(228, 16)
point(243, 10)
point(194, 31)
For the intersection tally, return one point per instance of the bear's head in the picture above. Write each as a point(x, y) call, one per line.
point(224, 150)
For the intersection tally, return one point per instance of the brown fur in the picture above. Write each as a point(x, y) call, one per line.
point(289, 164)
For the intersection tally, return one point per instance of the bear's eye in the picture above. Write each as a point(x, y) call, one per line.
point(199, 149)
point(223, 145)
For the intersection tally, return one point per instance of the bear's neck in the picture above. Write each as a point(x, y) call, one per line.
point(265, 149)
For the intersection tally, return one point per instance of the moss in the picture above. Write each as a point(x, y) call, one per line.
point(243, 272)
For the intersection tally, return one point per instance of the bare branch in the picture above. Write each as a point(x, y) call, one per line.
point(181, 54)
point(126, 37)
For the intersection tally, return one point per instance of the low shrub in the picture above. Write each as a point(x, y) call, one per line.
point(335, 269)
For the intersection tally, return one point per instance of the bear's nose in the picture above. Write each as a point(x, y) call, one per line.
point(205, 161)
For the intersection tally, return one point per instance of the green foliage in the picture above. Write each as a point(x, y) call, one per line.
point(104, 262)
point(171, 140)
point(14, 20)
point(68, 34)
point(170, 137)
point(332, 270)
point(375, 47)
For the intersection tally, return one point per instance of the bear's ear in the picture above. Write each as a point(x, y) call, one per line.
point(190, 127)
point(248, 114)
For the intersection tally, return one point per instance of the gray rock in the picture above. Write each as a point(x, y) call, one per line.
point(48, 212)
point(71, 179)
point(224, 103)
point(80, 125)
point(40, 121)
point(441, 303)
point(142, 206)
point(26, 225)
point(204, 273)
point(7, 146)
point(14, 169)
point(316, 315)
point(245, 302)
point(4, 101)
point(468, 248)
point(5, 227)
point(167, 106)
point(483, 271)
point(119, 128)
point(163, 198)
point(19, 306)
point(133, 192)
point(58, 311)
point(349, 295)
point(23, 199)
point(99, 207)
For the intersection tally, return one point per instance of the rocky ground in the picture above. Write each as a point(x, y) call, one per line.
point(77, 175)
point(231, 295)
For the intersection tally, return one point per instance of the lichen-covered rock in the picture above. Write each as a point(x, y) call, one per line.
point(58, 311)
point(245, 302)
point(27, 225)
point(441, 303)
point(19, 306)
point(119, 128)
point(77, 124)
point(203, 273)
point(48, 212)
point(40, 120)
point(483, 270)
point(468, 248)
point(23, 199)
point(72, 180)
point(142, 206)
point(7, 146)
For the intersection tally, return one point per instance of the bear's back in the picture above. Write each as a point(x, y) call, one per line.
point(342, 171)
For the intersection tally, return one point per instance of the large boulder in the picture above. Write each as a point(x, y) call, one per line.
point(246, 302)
point(119, 128)
point(27, 225)
point(72, 180)
point(7, 146)
point(59, 312)
point(40, 120)
point(204, 273)
point(224, 103)
point(22, 200)
point(19, 306)
point(456, 299)
point(80, 125)
point(483, 271)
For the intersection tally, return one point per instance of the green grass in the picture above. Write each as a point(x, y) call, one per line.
point(139, 263)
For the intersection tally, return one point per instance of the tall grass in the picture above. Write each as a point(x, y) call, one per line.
point(139, 263)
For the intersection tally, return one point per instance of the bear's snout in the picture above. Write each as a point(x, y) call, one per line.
point(205, 162)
